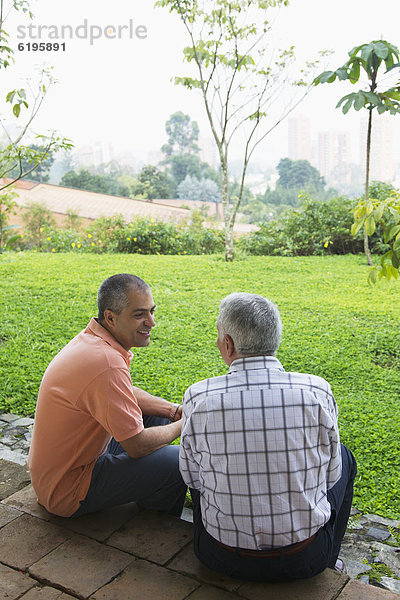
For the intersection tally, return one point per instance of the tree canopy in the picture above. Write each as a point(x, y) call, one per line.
point(299, 175)
point(183, 135)
point(93, 182)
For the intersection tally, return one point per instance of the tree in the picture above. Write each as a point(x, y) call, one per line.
point(92, 182)
point(153, 183)
point(203, 190)
point(368, 59)
point(237, 78)
point(299, 175)
point(182, 166)
point(385, 213)
point(183, 135)
point(16, 159)
point(38, 220)
point(38, 171)
point(7, 208)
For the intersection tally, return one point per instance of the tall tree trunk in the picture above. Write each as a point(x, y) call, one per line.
point(366, 193)
point(226, 209)
point(229, 242)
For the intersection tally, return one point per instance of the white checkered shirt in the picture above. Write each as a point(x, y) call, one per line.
point(262, 447)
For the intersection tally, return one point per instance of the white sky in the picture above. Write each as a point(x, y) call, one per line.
point(119, 90)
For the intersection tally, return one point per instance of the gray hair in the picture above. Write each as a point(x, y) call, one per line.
point(113, 291)
point(252, 321)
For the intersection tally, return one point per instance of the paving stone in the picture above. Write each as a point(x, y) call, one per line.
point(389, 556)
point(380, 535)
point(186, 562)
point(206, 592)
point(46, 593)
point(325, 586)
point(382, 520)
point(187, 514)
point(153, 535)
point(356, 550)
point(26, 501)
point(80, 566)
point(355, 567)
point(23, 446)
point(13, 456)
point(26, 540)
point(13, 583)
point(355, 590)
point(13, 477)
point(9, 418)
point(145, 581)
point(22, 422)
point(392, 584)
point(99, 525)
point(7, 440)
point(8, 514)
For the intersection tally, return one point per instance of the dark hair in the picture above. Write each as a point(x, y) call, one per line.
point(113, 291)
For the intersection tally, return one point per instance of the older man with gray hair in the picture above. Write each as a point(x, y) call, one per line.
point(271, 483)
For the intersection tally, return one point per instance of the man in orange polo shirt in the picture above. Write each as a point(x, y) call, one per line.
point(98, 441)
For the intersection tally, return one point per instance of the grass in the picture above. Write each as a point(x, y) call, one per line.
point(335, 326)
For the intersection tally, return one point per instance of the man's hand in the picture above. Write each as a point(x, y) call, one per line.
point(151, 439)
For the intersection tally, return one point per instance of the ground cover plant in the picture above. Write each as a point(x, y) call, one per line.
point(335, 326)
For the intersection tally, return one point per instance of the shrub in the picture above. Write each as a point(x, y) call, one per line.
point(38, 220)
point(316, 228)
point(141, 236)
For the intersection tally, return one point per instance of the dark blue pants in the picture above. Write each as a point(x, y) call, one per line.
point(153, 481)
point(321, 553)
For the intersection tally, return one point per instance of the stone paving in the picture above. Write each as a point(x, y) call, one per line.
point(127, 553)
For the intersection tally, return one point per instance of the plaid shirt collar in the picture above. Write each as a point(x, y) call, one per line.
point(255, 362)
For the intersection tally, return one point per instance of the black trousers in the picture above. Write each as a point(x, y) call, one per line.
point(320, 554)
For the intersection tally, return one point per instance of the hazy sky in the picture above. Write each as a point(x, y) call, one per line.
point(119, 90)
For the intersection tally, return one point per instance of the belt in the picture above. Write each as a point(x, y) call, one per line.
point(285, 550)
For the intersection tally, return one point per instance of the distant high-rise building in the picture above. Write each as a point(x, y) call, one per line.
point(103, 153)
point(334, 155)
point(299, 138)
point(382, 167)
point(93, 156)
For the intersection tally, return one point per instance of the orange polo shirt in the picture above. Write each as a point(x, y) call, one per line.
point(85, 398)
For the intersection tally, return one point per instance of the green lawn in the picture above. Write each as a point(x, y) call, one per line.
point(335, 326)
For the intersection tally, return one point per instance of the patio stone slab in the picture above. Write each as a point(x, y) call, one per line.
point(46, 593)
point(206, 592)
point(355, 590)
point(186, 562)
point(13, 477)
point(80, 566)
point(8, 514)
point(99, 525)
point(145, 581)
point(13, 584)
point(325, 586)
point(25, 500)
point(153, 535)
point(26, 540)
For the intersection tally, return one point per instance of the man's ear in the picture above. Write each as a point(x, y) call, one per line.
point(109, 318)
point(229, 345)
